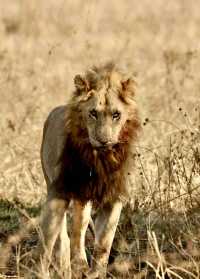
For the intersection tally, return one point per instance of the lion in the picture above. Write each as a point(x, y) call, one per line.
point(86, 157)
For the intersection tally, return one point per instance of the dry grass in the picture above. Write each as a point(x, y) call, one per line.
point(43, 44)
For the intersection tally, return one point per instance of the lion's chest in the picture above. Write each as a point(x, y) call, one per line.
point(90, 178)
point(80, 174)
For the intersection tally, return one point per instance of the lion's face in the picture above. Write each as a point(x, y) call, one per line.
point(105, 116)
point(106, 108)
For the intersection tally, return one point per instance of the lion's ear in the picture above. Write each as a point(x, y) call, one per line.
point(81, 83)
point(128, 84)
point(128, 89)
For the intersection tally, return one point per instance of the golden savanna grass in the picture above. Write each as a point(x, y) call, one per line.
point(43, 45)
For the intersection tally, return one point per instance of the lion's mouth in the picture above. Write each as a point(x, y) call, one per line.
point(102, 146)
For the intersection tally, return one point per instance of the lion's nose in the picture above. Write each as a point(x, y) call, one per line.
point(103, 142)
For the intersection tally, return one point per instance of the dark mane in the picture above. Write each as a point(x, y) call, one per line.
point(96, 175)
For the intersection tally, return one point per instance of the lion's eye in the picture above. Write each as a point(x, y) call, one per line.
point(93, 114)
point(116, 115)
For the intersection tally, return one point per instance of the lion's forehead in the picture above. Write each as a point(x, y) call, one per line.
point(106, 100)
point(105, 78)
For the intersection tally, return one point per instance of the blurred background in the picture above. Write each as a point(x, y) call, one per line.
point(43, 44)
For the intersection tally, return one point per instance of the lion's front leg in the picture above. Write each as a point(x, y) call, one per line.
point(105, 227)
point(51, 224)
point(63, 250)
point(81, 218)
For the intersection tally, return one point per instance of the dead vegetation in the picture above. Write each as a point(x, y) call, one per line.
point(43, 45)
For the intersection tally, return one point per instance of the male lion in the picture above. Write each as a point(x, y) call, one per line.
point(86, 158)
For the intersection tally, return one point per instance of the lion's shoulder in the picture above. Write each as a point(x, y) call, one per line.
point(57, 113)
point(54, 138)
